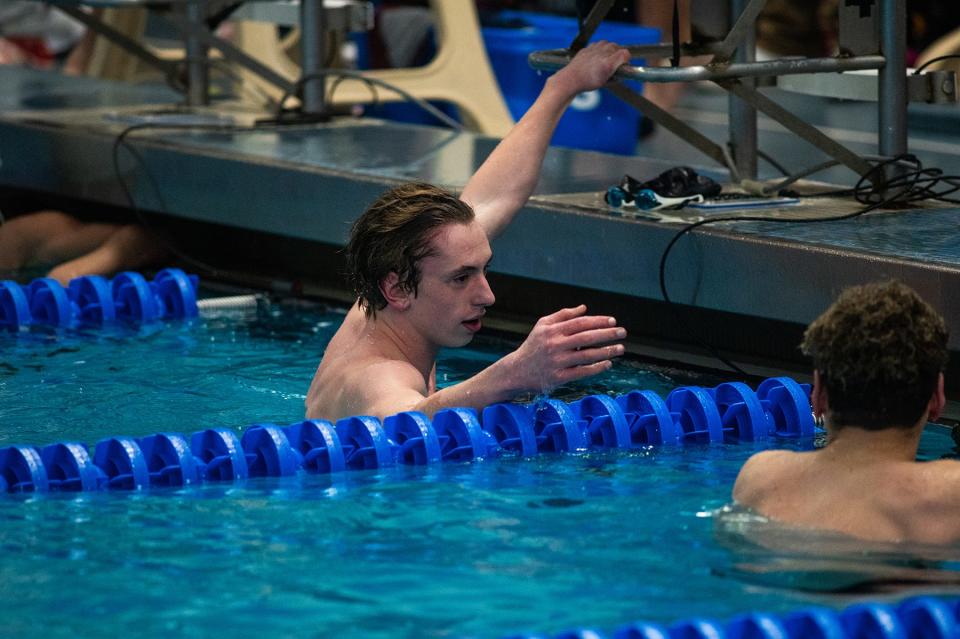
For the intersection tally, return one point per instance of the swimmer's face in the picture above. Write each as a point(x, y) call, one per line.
point(453, 293)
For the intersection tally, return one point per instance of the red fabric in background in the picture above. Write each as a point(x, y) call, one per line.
point(39, 54)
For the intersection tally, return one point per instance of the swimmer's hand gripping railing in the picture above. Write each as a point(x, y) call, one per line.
point(734, 68)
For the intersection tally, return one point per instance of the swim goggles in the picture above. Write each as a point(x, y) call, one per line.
point(647, 199)
point(672, 189)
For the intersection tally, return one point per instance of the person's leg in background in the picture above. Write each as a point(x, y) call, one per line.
point(128, 247)
point(74, 248)
point(659, 14)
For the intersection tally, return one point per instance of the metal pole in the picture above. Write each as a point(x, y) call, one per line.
point(892, 95)
point(198, 79)
point(743, 30)
point(743, 117)
point(799, 127)
point(676, 126)
point(312, 33)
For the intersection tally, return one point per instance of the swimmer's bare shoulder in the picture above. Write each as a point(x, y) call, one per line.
point(931, 501)
point(355, 378)
point(376, 386)
point(386, 387)
point(762, 474)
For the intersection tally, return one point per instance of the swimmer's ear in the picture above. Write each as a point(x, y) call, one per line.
point(937, 401)
point(397, 295)
point(818, 396)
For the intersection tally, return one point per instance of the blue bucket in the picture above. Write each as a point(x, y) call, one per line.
point(596, 120)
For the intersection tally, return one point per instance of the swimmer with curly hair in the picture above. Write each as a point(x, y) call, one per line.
point(879, 353)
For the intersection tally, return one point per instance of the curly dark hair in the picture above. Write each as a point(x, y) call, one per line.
point(394, 234)
point(879, 350)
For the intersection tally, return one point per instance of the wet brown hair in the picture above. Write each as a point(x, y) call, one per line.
point(879, 350)
point(394, 234)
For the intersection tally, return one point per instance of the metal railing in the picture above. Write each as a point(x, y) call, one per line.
point(880, 45)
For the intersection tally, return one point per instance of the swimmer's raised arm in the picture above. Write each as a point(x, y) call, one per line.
point(563, 347)
point(502, 185)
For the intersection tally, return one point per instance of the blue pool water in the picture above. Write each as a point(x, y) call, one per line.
point(459, 550)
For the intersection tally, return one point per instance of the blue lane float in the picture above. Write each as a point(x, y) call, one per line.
point(557, 428)
point(415, 436)
point(696, 415)
point(461, 437)
point(14, 306)
point(781, 398)
point(742, 416)
point(92, 300)
point(815, 623)
point(759, 625)
point(70, 468)
point(22, 470)
point(175, 293)
point(122, 462)
point(170, 462)
point(602, 421)
point(221, 456)
point(317, 441)
point(642, 630)
point(49, 303)
point(133, 298)
point(547, 426)
point(364, 442)
point(925, 616)
point(690, 415)
point(650, 421)
point(693, 629)
point(268, 452)
point(512, 427)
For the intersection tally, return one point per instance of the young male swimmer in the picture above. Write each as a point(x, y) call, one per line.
point(879, 353)
point(418, 259)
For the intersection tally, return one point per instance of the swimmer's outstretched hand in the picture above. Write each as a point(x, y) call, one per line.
point(592, 66)
point(563, 347)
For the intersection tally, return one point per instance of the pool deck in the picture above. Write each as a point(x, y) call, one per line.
point(309, 182)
